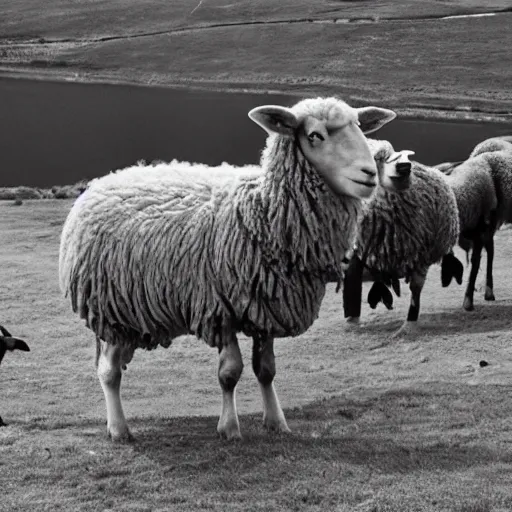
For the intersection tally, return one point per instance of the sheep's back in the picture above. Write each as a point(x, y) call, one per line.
point(134, 253)
point(410, 230)
point(491, 145)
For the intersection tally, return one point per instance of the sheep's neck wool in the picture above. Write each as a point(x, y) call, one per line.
point(150, 253)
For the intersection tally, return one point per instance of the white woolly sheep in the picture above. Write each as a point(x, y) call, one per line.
point(8, 342)
point(483, 189)
point(409, 224)
point(151, 253)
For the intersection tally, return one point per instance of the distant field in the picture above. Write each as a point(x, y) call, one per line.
point(416, 426)
point(396, 53)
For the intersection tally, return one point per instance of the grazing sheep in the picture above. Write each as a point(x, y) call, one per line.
point(483, 189)
point(410, 223)
point(8, 342)
point(153, 252)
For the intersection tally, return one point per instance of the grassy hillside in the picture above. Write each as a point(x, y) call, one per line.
point(65, 19)
point(397, 53)
point(417, 426)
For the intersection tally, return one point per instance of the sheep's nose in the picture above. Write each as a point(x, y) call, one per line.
point(403, 168)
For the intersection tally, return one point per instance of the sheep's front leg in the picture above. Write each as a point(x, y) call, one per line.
point(264, 366)
point(111, 359)
point(353, 290)
point(475, 265)
point(230, 370)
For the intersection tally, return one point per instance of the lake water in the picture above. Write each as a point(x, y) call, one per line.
point(58, 133)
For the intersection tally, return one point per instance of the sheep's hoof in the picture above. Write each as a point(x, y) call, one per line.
point(468, 304)
point(277, 425)
point(353, 320)
point(229, 431)
point(122, 436)
point(489, 295)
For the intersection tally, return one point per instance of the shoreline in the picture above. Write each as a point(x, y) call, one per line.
point(286, 88)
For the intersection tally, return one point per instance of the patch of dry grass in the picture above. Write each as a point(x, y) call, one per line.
point(90, 19)
point(415, 426)
point(397, 451)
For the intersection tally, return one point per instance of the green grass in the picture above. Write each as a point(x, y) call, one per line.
point(411, 64)
point(415, 426)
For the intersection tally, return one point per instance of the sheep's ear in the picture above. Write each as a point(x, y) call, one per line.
point(275, 119)
point(4, 331)
point(373, 118)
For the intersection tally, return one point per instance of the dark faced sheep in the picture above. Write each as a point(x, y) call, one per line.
point(409, 224)
point(8, 342)
point(150, 253)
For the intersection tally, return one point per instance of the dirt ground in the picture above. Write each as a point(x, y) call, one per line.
point(416, 425)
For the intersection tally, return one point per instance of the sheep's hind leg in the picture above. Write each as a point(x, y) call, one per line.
point(230, 370)
point(475, 265)
point(264, 366)
point(489, 249)
point(111, 359)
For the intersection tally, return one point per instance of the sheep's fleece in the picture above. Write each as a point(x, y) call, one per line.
point(152, 252)
point(492, 144)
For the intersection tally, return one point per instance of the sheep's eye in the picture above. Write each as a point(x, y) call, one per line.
point(313, 136)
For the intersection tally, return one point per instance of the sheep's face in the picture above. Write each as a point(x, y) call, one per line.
point(394, 168)
point(331, 137)
point(340, 155)
point(396, 171)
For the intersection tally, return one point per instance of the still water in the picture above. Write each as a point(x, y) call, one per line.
point(58, 133)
